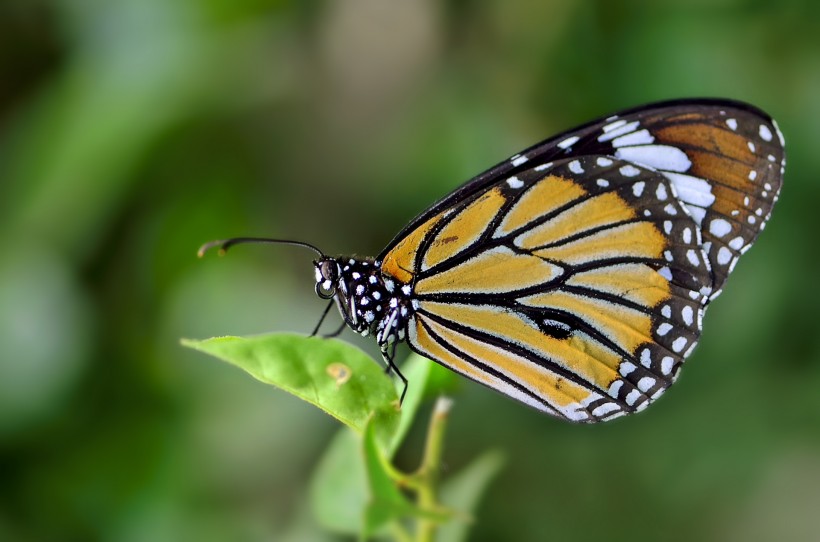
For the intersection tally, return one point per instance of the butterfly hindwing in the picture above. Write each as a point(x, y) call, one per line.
point(575, 287)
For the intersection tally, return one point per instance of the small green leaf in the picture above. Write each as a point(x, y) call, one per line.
point(338, 489)
point(387, 503)
point(333, 375)
point(463, 492)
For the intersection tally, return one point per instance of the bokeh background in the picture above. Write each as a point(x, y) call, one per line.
point(132, 131)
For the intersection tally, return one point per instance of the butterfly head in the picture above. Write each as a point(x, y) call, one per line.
point(327, 271)
point(366, 299)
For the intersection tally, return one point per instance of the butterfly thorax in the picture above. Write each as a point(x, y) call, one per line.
point(369, 301)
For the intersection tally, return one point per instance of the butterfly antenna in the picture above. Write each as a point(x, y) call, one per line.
point(225, 244)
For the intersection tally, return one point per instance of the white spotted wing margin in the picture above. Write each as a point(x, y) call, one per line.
point(582, 296)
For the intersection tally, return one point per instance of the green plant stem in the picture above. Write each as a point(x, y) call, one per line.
point(399, 533)
point(430, 468)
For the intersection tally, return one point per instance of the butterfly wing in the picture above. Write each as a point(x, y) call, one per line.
point(724, 158)
point(576, 288)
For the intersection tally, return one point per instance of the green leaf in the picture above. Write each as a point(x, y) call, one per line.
point(463, 492)
point(333, 375)
point(338, 489)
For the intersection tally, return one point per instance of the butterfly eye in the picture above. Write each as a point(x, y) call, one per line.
point(327, 272)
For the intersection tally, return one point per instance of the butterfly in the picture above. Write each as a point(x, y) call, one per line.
point(574, 276)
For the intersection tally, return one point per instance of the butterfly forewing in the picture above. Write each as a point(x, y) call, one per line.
point(575, 287)
point(724, 160)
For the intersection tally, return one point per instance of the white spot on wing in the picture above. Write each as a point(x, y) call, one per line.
point(630, 171)
point(646, 358)
point(688, 315)
point(693, 258)
point(632, 396)
point(604, 161)
point(731, 123)
point(637, 188)
point(641, 137)
point(765, 133)
point(619, 130)
point(575, 167)
point(724, 256)
point(604, 409)
point(611, 126)
point(645, 383)
point(691, 189)
point(568, 142)
point(662, 157)
point(515, 182)
point(719, 227)
point(696, 213)
point(626, 367)
point(517, 160)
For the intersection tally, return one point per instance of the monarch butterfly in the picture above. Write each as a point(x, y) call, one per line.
point(574, 276)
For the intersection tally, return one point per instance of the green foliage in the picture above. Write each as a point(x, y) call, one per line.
point(355, 489)
point(330, 374)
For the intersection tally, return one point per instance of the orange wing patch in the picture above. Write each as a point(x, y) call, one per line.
point(635, 282)
point(595, 212)
point(498, 270)
point(634, 240)
point(400, 263)
point(543, 198)
point(464, 228)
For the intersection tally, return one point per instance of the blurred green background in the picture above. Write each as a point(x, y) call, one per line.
point(131, 131)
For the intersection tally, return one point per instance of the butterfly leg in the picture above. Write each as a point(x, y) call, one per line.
point(322, 319)
point(388, 354)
